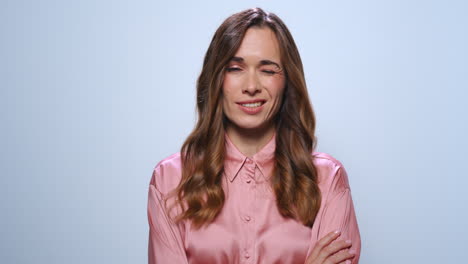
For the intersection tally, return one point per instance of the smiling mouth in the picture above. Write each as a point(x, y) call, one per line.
point(252, 107)
point(252, 104)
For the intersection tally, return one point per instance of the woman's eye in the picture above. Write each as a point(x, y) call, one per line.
point(269, 72)
point(231, 69)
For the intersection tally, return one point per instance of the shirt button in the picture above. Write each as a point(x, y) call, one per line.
point(249, 161)
point(247, 255)
point(248, 180)
point(247, 218)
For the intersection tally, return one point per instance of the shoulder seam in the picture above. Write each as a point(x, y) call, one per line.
point(157, 168)
point(167, 159)
point(322, 155)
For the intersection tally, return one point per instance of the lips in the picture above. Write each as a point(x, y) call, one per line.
point(252, 103)
point(251, 107)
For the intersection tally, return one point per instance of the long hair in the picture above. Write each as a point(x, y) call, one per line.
point(294, 179)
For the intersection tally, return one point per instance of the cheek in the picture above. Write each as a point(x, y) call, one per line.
point(227, 86)
point(276, 87)
point(230, 81)
point(230, 88)
point(227, 95)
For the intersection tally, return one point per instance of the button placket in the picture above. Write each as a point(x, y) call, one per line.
point(247, 216)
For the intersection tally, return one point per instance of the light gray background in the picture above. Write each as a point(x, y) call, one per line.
point(95, 93)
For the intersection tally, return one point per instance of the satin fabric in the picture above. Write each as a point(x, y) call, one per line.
point(249, 228)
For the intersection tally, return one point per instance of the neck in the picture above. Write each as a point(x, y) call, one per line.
point(250, 141)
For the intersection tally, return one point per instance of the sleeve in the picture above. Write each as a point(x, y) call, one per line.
point(165, 244)
point(339, 213)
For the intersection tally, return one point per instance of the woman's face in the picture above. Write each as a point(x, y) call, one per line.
point(254, 81)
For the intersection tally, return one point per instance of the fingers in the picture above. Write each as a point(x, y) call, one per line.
point(329, 250)
point(342, 257)
point(323, 242)
point(335, 252)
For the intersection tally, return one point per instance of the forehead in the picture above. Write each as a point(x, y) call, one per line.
point(259, 44)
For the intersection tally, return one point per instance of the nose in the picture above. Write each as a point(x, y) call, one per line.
point(252, 85)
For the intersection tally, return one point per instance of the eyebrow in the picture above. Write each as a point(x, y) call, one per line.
point(262, 62)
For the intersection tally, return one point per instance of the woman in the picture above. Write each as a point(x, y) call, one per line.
point(247, 186)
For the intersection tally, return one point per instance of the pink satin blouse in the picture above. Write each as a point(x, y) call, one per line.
point(249, 228)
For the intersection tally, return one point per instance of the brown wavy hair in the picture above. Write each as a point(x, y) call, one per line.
point(294, 181)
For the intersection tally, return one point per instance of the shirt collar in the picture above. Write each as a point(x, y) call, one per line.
point(235, 159)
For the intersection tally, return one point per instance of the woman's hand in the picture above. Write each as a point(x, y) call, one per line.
point(329, 251)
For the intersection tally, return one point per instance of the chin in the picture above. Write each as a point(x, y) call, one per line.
point(250, 125)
